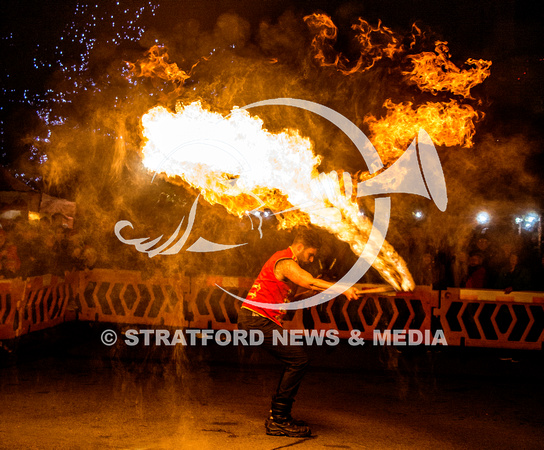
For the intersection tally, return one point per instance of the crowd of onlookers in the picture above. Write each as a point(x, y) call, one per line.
point(48, 246)
point(503, 262)
point(42, 247)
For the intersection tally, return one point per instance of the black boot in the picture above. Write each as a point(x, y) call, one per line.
point(290, 418)
point(280, 422)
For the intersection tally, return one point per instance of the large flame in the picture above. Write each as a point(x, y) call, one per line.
point(236, 162)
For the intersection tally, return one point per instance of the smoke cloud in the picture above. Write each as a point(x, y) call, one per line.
point(94, 154)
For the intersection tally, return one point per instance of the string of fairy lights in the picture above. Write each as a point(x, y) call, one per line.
point(67, 52)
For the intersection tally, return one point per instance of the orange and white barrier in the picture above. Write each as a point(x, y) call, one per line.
point(490, 318)
point(371, 312)
point(209, 307)
point(11, 295)
point(482, 318)
point(34, 304)
point(123, 296)
point(44, 303)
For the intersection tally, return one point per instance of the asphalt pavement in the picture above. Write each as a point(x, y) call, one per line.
point(64, 389)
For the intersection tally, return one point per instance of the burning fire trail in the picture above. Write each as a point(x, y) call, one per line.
point(432, 71)
point(236, 162)
point(375, 43)
point(448, 123)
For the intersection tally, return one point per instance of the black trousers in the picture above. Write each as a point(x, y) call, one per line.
point(294, 357)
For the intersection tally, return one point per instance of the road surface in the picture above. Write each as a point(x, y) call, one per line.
point(66, 390)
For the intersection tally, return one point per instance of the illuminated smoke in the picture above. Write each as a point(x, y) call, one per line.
point(94, 150)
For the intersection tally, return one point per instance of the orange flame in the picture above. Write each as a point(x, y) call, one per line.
point(156, 65)
point(448, 124)
point(236, 162)
point(434, 72)
point(375, 43)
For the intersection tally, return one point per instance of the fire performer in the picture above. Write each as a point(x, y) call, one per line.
point(276, 283)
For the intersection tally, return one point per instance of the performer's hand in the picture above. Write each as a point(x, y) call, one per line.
point(353, 293)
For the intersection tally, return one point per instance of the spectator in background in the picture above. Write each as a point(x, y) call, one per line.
point(9, 258)
point(425, 274)
point(61, 256)
point(507, 248)
point(476, 276)
point(443, 269)
point(90, 257)
point(80, 255)
point(9, 269)
point(75, 250)
point(27, 242)
point(460, 269)
point(483, 246)
point(513, 277)
point(489, 258)
point(538, 276)
point(44, 254)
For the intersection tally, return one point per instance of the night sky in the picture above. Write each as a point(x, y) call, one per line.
point(52, 51)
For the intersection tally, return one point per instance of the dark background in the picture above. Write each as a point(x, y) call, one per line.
point(51, 52)
point(507, 32)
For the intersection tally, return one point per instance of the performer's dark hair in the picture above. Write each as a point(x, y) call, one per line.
point(308, 237)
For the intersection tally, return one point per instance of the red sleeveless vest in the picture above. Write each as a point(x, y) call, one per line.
point(268, 289)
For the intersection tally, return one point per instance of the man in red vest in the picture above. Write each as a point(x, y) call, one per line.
point(276, 283)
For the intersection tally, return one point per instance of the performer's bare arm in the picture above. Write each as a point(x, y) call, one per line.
point(289, 269)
